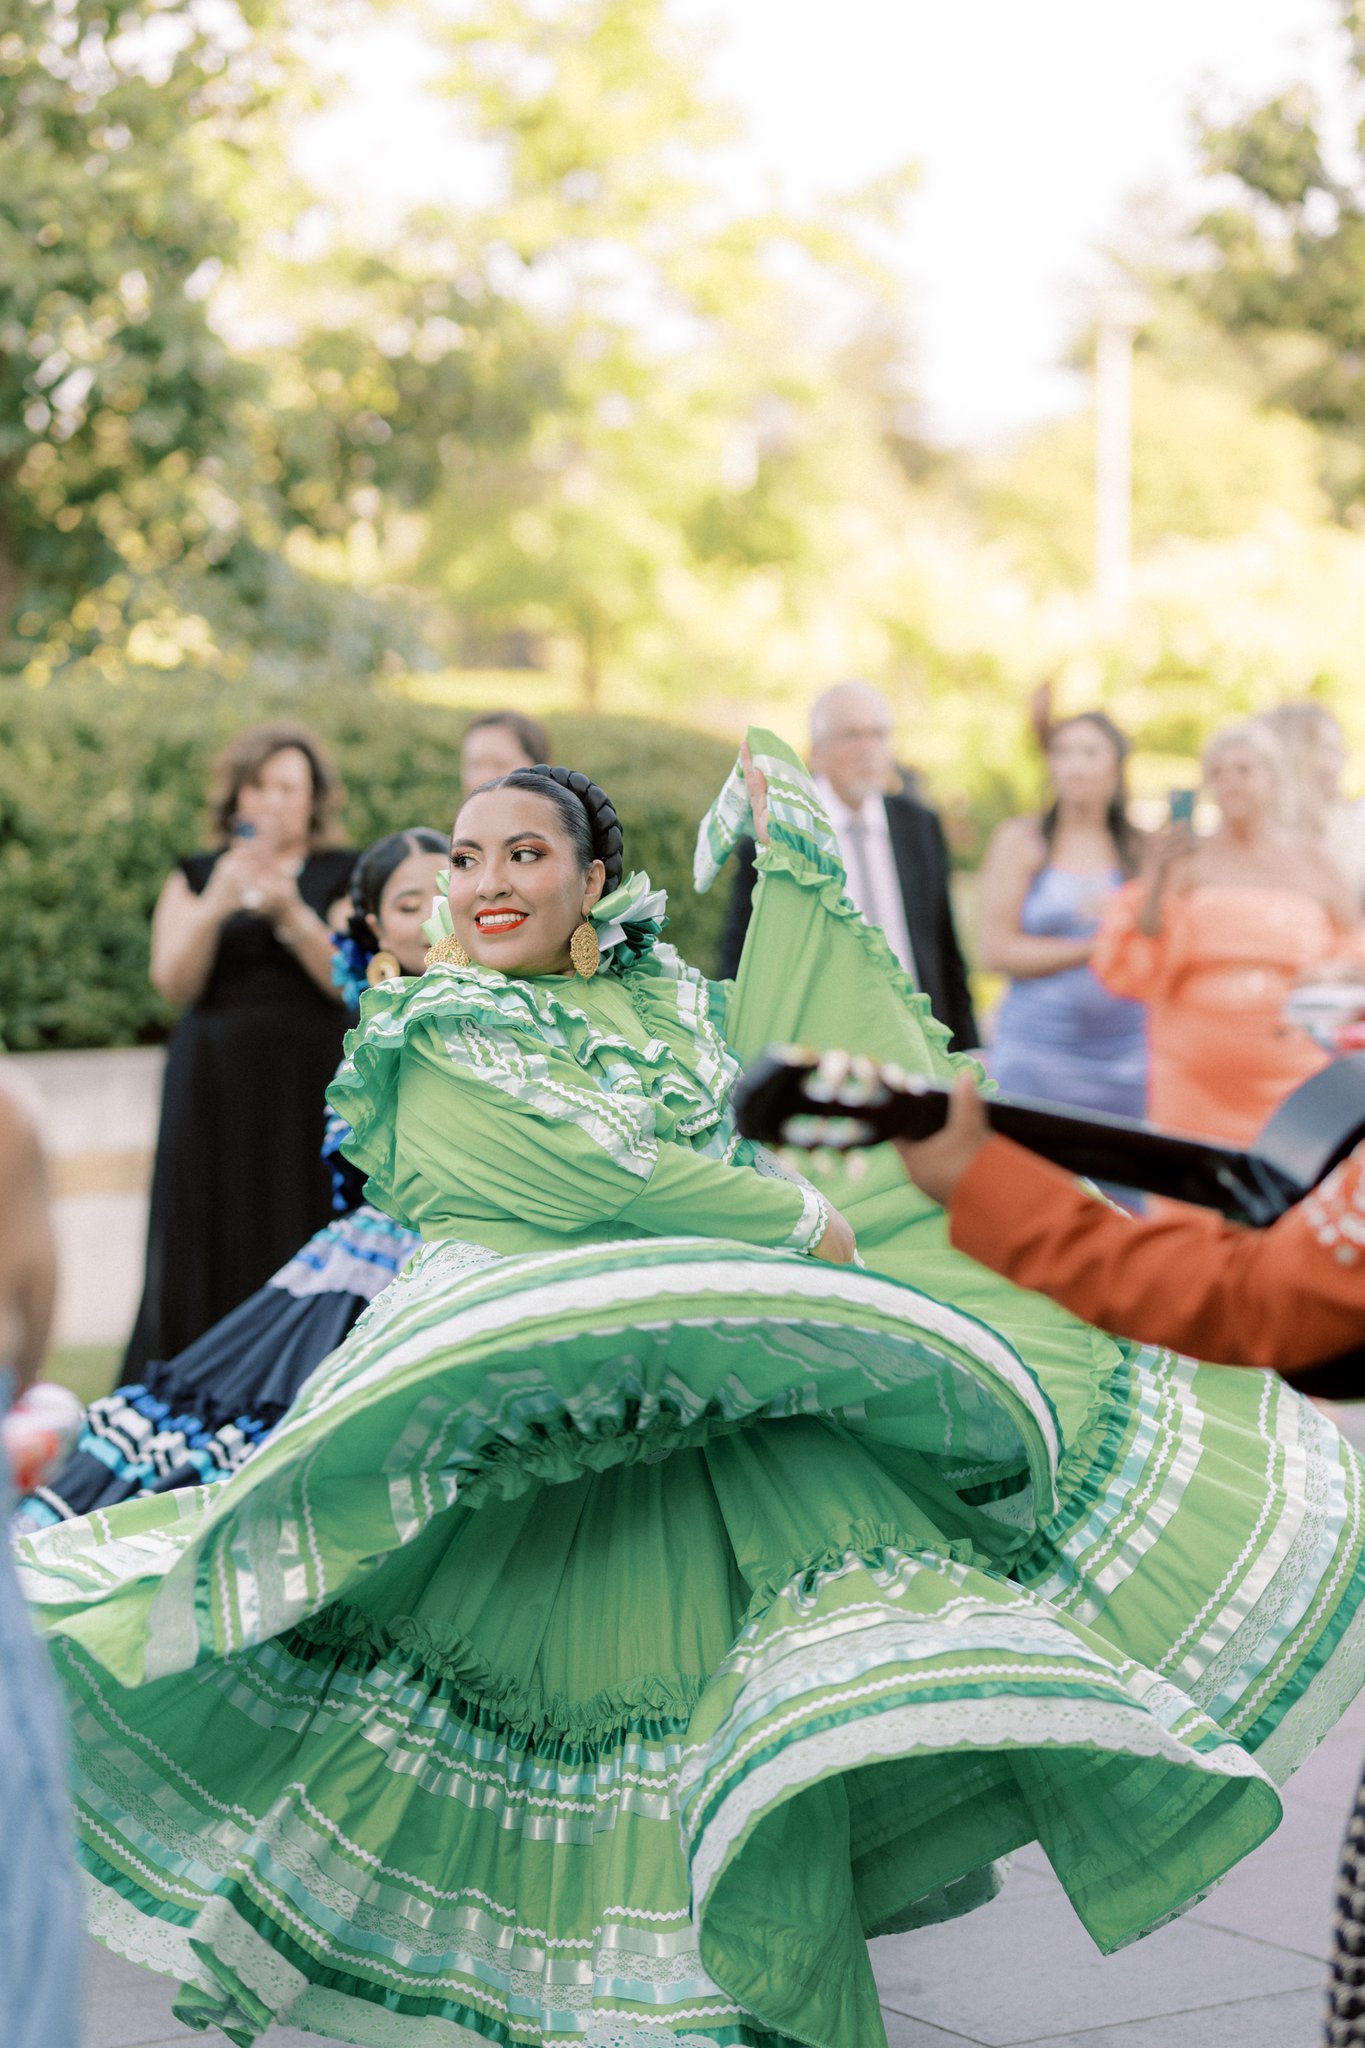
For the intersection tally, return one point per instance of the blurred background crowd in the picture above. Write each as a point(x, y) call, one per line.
point(1195, 973)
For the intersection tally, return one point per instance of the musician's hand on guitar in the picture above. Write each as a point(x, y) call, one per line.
point(838, 1244)
point(937, 1164)
point(756, 783)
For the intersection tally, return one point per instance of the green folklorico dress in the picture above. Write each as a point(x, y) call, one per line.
point(635, 1614)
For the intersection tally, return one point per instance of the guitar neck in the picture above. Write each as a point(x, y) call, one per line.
point(1129, 1154)
point(786, 1099)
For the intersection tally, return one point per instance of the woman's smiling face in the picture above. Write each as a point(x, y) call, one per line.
point(518, 889)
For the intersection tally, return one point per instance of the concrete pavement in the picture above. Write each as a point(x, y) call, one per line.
point(1243, 1970)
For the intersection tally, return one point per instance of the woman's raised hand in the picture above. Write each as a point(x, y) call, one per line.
point(838, 1244)
point(1173, 843)
point(235, 874)
point(756, 783)
point(247, 878)
point(276, 894)
point(1167, 846)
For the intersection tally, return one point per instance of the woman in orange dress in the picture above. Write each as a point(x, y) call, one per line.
point(1213, 938)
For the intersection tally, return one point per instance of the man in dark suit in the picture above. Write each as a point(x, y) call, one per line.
point(894, 854)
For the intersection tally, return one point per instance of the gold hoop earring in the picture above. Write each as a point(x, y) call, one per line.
point(383, 967)
point(447, 952)
point(584, 951)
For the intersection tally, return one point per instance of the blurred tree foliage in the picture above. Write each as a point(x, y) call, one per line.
point(577, 420)
point(1283, 258)
point(101, 791)
point(594, 421)
point(630, 387)
point(141, 509)
point(1212, 458)
point(122, 136)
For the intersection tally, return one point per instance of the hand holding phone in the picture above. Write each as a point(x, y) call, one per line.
point(253, 876)
point(1172, 844)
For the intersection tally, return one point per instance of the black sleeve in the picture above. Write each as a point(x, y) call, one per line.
point(327, 878)
point(957, 995)
point(196, 868)
point(738, 911)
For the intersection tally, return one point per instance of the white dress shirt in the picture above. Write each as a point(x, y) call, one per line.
point(864, 838)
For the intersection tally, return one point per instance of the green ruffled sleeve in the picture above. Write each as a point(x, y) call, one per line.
point(815, 973)
point(471, 1120)
point(813, 970)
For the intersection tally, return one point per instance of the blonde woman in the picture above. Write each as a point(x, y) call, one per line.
point(1314, 749)
point(1213, 937)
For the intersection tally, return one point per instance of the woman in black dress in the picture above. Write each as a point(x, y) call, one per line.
point(242, 937)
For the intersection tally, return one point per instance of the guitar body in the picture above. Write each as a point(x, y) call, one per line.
point(1317, 1126)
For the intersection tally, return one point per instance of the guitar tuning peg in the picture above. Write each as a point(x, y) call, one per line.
point(821, 1162)
point(828, 1078)
point(855, 1165)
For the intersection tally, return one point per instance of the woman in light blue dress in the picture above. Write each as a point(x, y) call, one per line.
point(1059, 1035)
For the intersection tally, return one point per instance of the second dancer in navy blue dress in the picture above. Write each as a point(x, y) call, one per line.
point(193, 1419)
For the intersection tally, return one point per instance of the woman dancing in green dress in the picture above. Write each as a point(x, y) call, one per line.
point(637, 1613)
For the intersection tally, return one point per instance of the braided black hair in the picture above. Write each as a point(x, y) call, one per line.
point(372, 871)
point(587, 812)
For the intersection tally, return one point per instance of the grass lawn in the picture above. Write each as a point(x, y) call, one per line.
point(88, 1370)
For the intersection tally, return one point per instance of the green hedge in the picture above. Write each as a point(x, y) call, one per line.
point(102, 790)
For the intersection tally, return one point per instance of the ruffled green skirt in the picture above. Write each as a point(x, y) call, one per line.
point(609, 1642)
point(616, 1640)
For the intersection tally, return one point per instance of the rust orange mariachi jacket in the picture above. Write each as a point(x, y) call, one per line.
point(1283, 1297)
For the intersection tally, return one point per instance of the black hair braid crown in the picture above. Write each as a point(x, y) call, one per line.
point(608, 840)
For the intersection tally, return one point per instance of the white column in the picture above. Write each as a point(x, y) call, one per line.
point(1120, 314)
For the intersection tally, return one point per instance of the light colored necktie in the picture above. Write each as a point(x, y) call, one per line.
point(862, 888)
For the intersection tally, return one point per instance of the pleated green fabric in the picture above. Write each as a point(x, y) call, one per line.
point(636, 1615)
